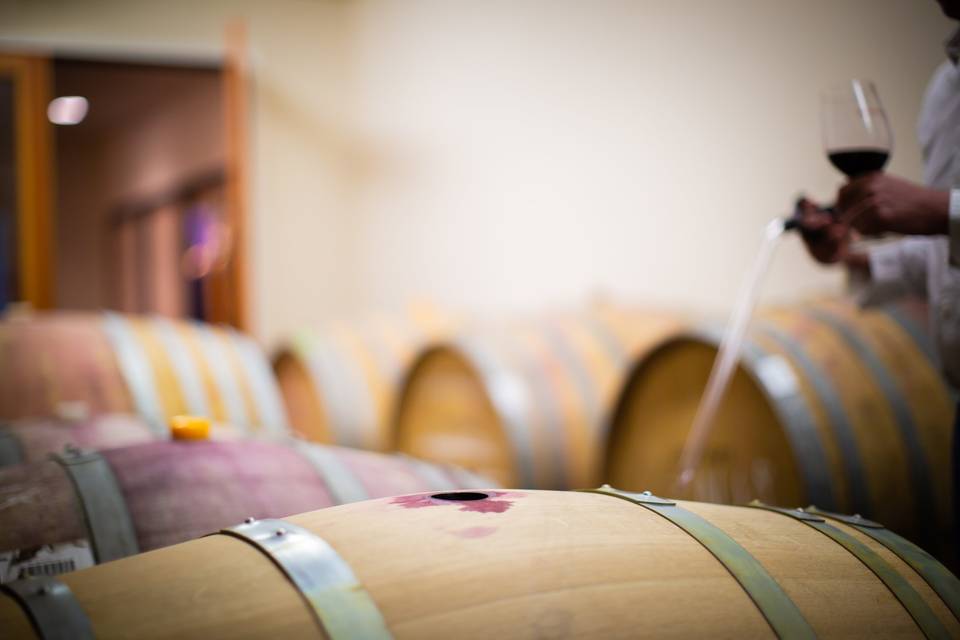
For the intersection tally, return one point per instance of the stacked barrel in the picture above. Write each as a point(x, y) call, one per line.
point(93, 363)
point(524, 403)
point(831, 405)
point(832, 410)
point(510, 564)
point(341, 383)
point(123, 434)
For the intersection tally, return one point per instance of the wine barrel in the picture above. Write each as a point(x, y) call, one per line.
point(525, 404)
point(32, 440)
point(152, 366)
point(85, 506)
point(340, 384)
point(831, 404)
point(512, 564)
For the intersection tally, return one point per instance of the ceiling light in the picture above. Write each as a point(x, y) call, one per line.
point(67, 110)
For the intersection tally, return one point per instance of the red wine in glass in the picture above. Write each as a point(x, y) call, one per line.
point(856, 162)
point(856, 133)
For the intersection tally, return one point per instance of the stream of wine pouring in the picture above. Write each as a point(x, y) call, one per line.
point(727, 355)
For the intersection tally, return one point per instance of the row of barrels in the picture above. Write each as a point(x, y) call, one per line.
point(831, 405)
point(487, 564)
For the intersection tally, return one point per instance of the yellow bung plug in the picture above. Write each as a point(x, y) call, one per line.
point(190, 428)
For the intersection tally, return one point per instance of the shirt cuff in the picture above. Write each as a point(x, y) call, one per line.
point(954, 230)
point(886, 264)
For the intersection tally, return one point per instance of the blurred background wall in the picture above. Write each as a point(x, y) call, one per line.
point(505, 155)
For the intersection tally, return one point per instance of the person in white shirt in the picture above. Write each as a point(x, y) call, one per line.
point(927, 261)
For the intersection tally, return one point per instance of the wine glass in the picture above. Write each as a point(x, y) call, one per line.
point(856, 134)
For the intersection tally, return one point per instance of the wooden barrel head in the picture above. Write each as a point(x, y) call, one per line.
point(747, 455)
point(840, 405)
point(304, 404)
point(446, 414)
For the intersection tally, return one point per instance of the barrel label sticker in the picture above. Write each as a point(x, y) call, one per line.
point(48, 560)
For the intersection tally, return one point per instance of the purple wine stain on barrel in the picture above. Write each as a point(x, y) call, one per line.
point(475, 501)
point(474, 532)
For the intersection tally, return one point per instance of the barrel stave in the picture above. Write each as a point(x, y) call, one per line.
point(38, 507)
point(180, 490)
point(192, 591)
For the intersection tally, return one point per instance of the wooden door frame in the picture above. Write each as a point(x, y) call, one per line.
point(229, 298)
point(33, 142)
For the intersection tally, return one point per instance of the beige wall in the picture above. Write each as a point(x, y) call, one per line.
point(508, 154)
point(542, 150)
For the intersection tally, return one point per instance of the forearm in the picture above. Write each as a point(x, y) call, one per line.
point(931, 216)
point(858, 265)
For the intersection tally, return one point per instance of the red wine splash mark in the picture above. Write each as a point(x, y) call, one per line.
point(474, 532)
point(489, 504)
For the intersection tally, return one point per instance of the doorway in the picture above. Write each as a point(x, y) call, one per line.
point(144, 210)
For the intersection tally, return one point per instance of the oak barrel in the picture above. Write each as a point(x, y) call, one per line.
point(34, 439)
point(86, 506)
point(525, 403)
point(340, 384)
point(515, 564)
point(831, 404)
point(153, 366)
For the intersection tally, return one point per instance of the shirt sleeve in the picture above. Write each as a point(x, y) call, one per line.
point(896, 269)
point(955, 227)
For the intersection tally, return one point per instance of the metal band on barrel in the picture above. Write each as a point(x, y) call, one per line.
point(137, 372)
point(551, 431)
point(919, 335)
point(585, 384)
point(364, 382)
point(341, 605)
point(341, 389)
point(833, 405)
point(912, 601)
point(615, 348)
point(11, 452)
point(108, 522)
point(438, 477)
point(467, 479)
point(917, 462)
point(51, 607)
point(223, 377)
point(511, 400)
point(263, 386)
point(941, 580)
point(342, 483)
point(781, 613)
point(779, 384)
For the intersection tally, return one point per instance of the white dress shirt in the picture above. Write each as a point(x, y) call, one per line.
point(930, 265)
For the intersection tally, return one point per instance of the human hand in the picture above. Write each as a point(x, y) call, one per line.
point(878, 203)
point(826, 238)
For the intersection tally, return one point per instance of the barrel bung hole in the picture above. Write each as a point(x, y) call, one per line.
point(461, 496)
